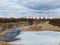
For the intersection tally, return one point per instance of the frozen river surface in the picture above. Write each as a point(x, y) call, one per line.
point(38, 38)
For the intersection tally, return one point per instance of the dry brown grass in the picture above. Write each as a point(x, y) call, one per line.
point(31, 28)
point(12, 24)
point(4, 43)
point(41, 27)
point(6, 31)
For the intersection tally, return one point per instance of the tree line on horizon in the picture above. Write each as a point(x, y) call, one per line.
point(55, 22)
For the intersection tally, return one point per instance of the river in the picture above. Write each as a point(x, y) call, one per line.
point(37, 38)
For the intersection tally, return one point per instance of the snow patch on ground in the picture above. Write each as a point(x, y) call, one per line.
point(38, 38)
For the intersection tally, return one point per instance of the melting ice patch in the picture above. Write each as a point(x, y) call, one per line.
point(38, 38)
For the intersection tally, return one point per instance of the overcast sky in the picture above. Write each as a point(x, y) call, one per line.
point(18, 8)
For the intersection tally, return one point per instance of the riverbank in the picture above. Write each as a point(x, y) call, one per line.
point(41, 27)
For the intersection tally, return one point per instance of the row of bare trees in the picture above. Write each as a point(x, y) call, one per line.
point(7, 20)
point(55, 22)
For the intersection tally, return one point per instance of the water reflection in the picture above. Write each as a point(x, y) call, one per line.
point(10, 36)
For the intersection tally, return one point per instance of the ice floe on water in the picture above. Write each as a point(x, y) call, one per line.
point(38, 38)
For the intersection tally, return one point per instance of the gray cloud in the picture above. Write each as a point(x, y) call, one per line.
point(40, 4)
point(18, 8)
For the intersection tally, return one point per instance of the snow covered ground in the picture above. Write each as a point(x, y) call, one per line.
point(38, 38)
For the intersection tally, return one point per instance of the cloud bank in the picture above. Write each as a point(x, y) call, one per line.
point(18, 8)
